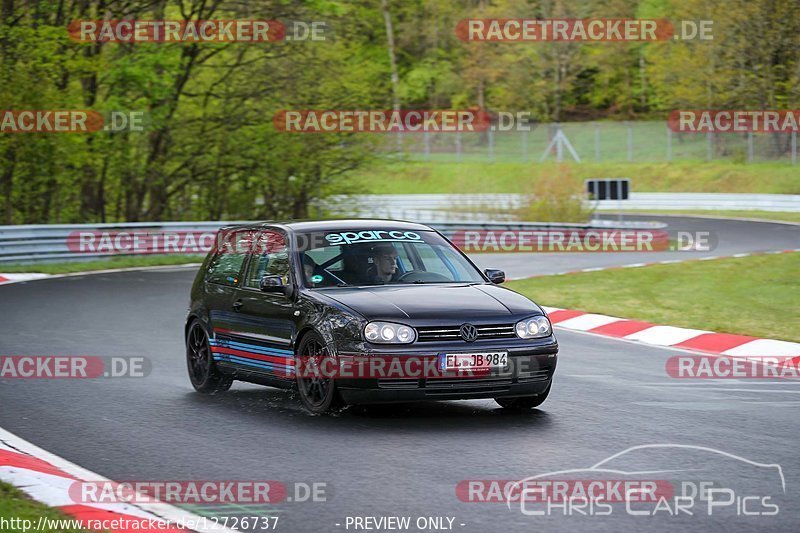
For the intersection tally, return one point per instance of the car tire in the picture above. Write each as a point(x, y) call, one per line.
point(318, 394)
point(524, 402)
point(203, 373)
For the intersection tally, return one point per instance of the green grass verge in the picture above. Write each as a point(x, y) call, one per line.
point(102, 264)
point(14, 504)
point(507, 177)
point(754, 295)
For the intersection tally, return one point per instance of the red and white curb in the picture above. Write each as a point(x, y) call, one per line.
point(17, 278)
point(670, 336)
point(47, 478)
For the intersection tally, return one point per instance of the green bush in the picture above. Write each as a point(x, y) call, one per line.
point(556, 197)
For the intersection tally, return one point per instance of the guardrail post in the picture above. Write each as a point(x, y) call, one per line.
point(669, 144)
point(596, 142)
point(491, 144)
point(427, 139)
point(458, 146)
point(630, 141)
point(749, 146)
point(709, 146)
point(525, 144)
point(794, 147)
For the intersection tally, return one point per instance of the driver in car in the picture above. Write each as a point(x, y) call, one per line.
point(310, 269)
point(384, 264)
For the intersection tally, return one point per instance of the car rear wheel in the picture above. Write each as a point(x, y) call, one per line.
point(315, 386)
point(524, 402)
point(203, 373)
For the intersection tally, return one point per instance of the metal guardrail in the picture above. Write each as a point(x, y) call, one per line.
point(51, 242)
point(706, 201)
point(57, 242)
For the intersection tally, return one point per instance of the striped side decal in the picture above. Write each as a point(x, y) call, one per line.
point(228, 346)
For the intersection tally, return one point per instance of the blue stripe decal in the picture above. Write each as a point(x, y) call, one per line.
point(257, 364)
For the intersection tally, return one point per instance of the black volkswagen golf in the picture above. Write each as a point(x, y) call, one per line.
point(363, 311)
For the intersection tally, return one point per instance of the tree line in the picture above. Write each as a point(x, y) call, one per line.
point(209, 150)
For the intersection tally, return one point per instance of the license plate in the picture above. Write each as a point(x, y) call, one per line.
point(472, 361)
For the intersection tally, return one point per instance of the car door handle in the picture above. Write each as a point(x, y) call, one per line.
point(237, 305)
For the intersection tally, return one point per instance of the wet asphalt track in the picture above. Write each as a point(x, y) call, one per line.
point(397, 460)
point(728, 237)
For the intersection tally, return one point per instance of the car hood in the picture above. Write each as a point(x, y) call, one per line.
point(433, 302)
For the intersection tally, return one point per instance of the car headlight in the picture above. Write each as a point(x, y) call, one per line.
point(533, 328)
point(389, 333)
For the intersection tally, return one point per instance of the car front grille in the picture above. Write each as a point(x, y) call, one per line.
point(453, 333)
point(464, 385)
point(437, 386)
point(398, 383)
point(534, 376)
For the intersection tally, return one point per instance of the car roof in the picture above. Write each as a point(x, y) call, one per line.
point(357, 224)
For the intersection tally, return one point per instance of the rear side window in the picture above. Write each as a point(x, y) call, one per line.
point(271, 258)
point(232, 249)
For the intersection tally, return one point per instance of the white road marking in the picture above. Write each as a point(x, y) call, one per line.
point(665, 335)
point(588, 321)
point(23, 277)
point(766, 347)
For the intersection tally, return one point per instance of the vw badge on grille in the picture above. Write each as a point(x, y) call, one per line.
point(469, 332)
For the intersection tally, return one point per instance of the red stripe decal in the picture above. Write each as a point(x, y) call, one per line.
point(251, 355)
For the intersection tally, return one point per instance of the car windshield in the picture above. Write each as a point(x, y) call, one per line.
point(380, 257)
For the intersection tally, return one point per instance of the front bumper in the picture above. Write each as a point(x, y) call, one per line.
point(529, 372)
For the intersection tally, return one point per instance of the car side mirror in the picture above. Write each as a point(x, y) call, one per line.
point(271, 283)
point(495, 276)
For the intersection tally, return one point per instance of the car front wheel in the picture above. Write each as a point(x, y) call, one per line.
point(524, 402)
point(315, 386)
